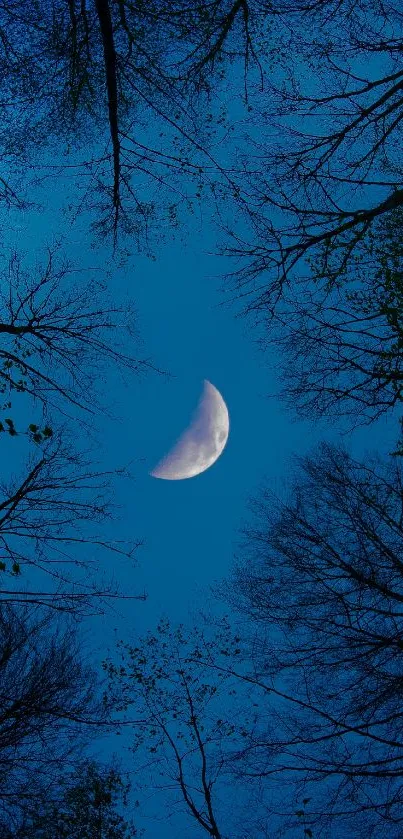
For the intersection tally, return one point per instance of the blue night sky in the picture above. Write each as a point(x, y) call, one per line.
point(189, 528)
point(188, 329)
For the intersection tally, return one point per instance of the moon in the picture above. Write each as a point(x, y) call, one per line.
point(202, 443)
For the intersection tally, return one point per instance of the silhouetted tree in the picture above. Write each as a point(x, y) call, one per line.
point(56, 341)
point(83, 805)
point(326, 164)
point(189, 722)
point(51, 707)
point(52, 520)
point(58, 336)
point(320, 578)
point(125, 75)
point(343, 346)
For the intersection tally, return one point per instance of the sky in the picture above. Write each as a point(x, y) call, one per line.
point(189, 528)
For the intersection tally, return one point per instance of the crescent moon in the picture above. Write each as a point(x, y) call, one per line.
point(202, 443)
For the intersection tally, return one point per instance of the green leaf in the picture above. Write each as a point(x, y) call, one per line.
point(33, 427)
point(2, 566)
